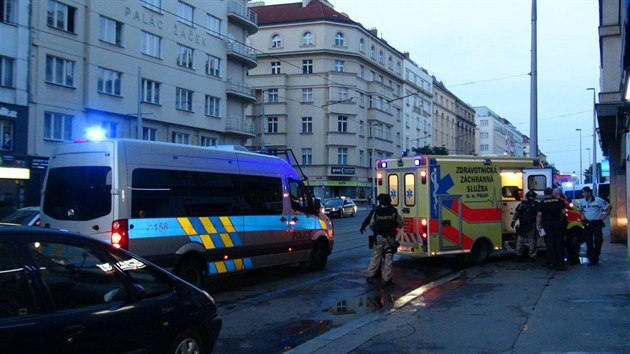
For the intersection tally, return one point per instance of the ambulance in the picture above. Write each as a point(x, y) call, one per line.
point(460, 205)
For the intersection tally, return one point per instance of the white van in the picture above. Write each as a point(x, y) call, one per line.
point(194, 210)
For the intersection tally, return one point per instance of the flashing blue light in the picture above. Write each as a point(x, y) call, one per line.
point(383, 164)
point(95, 133)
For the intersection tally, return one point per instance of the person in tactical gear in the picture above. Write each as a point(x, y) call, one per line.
point(525, 214)
point(384, 220)
point(549, 225)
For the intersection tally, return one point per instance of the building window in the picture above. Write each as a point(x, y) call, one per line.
point(7, 11)
point(276, 41)
point(342, 156)
point(390, 63)
point(183, 99)
point(155, 5)
point(307, 156)
point(483, 122)
point(361, 99)
point(149, 134)
point(151, 44)
point(6, 71)
point(272, 124)
point(110, 31)
point(213, 106)
point(214, 25)
point(307, 124)
point(57, 126)
point(372, 75)
point(361, 45)
point(307, 66)
point(61, 16)
point(339, 40)
point(181, 138)
point(361, 71)
point(213, 66)
point(343, 94)
point(484, 135)
point(185, 13)
point(59, 71)
point(307, 95)
point(342, 124)
point(484, 147)
point(380, 56)
point(208, 141)
point(184, 56)
point(6, 135)
point(272, 95)
point(372, 53)
point(110, 129)
point(150, 91)
point(109, 81)
point(339, 64)
point(275, 67)
point(307, 39)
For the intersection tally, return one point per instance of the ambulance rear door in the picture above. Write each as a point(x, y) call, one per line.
point(537, 179)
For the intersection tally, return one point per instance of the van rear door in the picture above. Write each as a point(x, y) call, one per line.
point(78, 193)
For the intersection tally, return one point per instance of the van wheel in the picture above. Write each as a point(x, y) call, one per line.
point(479, 253)
point(192, 270)
point(186, 341)
point(319, 256)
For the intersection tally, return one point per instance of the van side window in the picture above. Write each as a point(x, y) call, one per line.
point(261, 195)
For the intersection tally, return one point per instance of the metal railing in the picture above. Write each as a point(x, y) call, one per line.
point(243, 12)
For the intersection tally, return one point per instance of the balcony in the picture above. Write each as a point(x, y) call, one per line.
point(243, 16)
point(242, 53)
point(236, 89)
point(240, 127)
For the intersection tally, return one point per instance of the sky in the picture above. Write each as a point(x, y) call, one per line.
point(481, 51)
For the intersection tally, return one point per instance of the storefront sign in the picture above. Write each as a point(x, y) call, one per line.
point(342, 170)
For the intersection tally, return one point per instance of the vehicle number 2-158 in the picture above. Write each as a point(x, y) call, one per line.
point(157, 227)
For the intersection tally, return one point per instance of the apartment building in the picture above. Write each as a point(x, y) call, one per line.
point(418, 106)
point(331, 91)
point(496, 135)
point(14, 53)
point(172, 71)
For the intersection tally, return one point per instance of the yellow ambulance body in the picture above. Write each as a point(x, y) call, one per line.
point(458, 204)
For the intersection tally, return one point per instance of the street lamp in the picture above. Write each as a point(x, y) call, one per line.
point(589, 161)
point(581, 171)
point(594, 166)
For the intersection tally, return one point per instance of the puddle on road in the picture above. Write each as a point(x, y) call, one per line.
point(293, 334)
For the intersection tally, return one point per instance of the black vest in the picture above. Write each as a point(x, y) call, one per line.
point(385, 220)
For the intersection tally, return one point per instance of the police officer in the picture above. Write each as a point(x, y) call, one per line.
point(549, 224)
point(384, 223)
point(525, 213)
point(570, 242)
point(594, 211)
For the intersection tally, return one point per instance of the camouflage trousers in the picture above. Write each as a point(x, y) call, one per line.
point(383, 257)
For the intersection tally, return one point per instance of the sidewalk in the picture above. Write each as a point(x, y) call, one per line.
point(502, 307)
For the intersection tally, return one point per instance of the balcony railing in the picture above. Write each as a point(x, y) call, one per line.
point(242, 90)
point(246, 16)
point(242, 52)
point(239, 126)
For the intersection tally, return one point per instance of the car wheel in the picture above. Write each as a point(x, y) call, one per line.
point(319, 256)
point(192, 270)
point(479, 253)
point(186, 342)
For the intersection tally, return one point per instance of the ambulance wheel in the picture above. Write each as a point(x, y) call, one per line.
point(319, 256)
point(479, 253)
point(191, 269)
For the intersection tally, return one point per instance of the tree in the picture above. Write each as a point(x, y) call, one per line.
point(430, 150)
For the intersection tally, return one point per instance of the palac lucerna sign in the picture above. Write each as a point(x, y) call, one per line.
point(342, 170)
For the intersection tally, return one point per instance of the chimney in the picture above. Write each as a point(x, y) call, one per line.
point(374, 31)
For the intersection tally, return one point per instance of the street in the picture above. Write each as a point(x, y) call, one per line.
point(273, 310)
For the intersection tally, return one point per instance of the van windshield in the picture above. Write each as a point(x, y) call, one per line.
point(78, 193)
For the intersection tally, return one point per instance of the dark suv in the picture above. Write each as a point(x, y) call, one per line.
point(61, 292)
point(339, 207)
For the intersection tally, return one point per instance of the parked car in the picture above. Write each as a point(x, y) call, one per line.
point(28, 216)
point(340, 207)
point(61, 292)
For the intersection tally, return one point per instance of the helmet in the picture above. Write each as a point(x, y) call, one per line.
point(531, 194)
point(384, 199)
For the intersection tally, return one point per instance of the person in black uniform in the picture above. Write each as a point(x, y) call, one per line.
point(549, 224)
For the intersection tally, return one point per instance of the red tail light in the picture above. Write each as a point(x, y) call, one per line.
point(120, 237)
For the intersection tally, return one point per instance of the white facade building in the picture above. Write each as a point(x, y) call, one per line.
point(417, 106)
point(496, 135)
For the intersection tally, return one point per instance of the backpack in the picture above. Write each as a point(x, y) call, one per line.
point(385, 221)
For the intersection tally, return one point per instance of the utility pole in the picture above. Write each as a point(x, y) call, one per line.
point(533, 99)
point(594, 172)
point(139, 127)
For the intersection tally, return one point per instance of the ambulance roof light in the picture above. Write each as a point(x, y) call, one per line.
point(382, 164)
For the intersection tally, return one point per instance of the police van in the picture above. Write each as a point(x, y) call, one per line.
point(194, 210)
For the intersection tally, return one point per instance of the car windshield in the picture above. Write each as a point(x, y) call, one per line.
point(332, 202)
point(22, 217)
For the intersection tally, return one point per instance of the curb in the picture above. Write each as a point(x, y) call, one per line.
point(330, 337)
